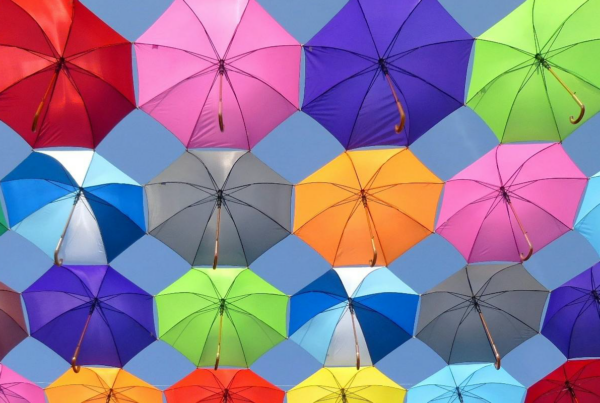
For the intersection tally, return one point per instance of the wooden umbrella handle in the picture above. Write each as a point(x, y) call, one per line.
point(356, 346)
point(49, 90)
point(530, 251)
point(217, 234)
point(399, 127)
point(76, 368)
point(488, 334)
point(370, 224)
point(218, 358)
point(571, 92)
point(57, 260)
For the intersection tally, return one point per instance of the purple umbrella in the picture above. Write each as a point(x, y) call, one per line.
point(380, 62)
point(573, 316)
point(90, 315)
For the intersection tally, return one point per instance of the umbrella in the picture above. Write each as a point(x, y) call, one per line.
point(367, 207)
point(90, 315)
point(572, 320)
point(513, 201)
point(215, 207)
point(373, 73)
point(3, 224)
point(218, 73)
point(90, 211)
point(224, 386)
point(535, 68)
point(66, 75)
point(588, 219)
point(481, 313)
point(228, 316)
point(101, 385)
point(576, 381)
point(356, 314)
point(347, 385)
point(12, 323)
point(468, 384)
point(16, 389)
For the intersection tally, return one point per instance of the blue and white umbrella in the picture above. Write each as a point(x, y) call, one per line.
point(471, 383)
point(353, 314)
point(588, 218)
point(74, 205)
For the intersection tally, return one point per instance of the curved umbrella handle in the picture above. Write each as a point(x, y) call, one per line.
point(49, 89)
point(219, 340)
point(351, 309)
point(221, 123)
point(488, 334)
point(57, 261)
point(217, 234)
point(571, 92)
point(399, 127)
point(76, 368)
point(373, 261)
point(530, 252)
point(365, 203)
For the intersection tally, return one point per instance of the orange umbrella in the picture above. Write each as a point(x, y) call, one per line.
point(367, 207)
point(101, 385)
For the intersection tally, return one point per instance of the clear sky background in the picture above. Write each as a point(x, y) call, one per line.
point(142, 148)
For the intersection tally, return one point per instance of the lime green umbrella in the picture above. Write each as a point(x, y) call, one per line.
point(535, 73)
point(3, 224)
point(228, 316)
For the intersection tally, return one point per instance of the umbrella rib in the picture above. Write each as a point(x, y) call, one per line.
point(235, 200)
point(397, 34)
point(237, 231)
point(238, 336)
point(212, 179)
point(336, 204)
point(352, 131)
point(204, 28)
point(400, 55)
point(397, 69)
point(198, 55)
point(356, 205)
point(46, 38)
point(572, 332)
point(466, 314)
point(237, 101)
point(494, 204)
point(560, 28)
point(386, 204)
point(233, 35)
point(90, 50)
point(516, 196)
point(112, 336)
point(513, 176)
point(543, 74)
point(212, 212)
point(201, 112)
point(195, 204)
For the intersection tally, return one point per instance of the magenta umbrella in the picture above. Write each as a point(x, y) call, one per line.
point(16, 389)
point(218, 73)
point(513, 201)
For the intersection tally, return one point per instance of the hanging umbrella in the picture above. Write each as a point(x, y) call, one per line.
point(229, 316)
point(576, 381)
point(12, 322)
point(572, 320)
point(218, 73)
point(215, 207)
point(90, 211)
point(468, 384)
point(588, 219)
point(356, 314)
point(3, 224)
point(90, 315)
point(347, 385)
point(16, 389)
point(537, 67)
point(66, 75)
point(481, 313)
point(102, 385)
point(511, 202)
point(224, 386)
point(373, 73)
point(367, 207)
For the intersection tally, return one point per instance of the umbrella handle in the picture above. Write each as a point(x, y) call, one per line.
point(76, 368)
point(351, 309)
point(573, 95)
point(221, 123)
point(57, 261)
point(365, 203)
point(398, 128)
point(497, 364)
point(530, 252)
point(49, 89)
point(219, 341)
point(218, 232)
point(109, 397)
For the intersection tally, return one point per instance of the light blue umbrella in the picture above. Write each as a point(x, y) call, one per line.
point(74, 205)
point(353, 314)
point(471, 383)
point(588, 219)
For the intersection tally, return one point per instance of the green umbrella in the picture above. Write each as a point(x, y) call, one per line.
point(3, 224)
point(228, 316)
point(535, 73)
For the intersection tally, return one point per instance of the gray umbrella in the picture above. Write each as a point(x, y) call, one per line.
point(481, 313)
point(223, 207)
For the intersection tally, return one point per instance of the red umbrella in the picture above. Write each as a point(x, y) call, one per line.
point(12, 322)
point(576, 381)
point(224, 386)
point(66, 76)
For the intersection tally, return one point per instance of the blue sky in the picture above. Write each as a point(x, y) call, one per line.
point(142, 148)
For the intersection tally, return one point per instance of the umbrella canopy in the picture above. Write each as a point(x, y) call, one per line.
point(537, 67)
point(468, 384)
point(90, 315)
point(575, 381)
point(588, 219)
point(511, 202)
point(13, 329)
point(3, 223)
point(373, 76)
point(66, 75)
point(89, 209)
point(347, 385)
point(367, 207)
point(218, 73)
point(16, 389)
point(353, 315)
point(481, 306)
point(228, 316)
point(572, 320)
point(223, 386)
point(210, 207)
point(101, 385)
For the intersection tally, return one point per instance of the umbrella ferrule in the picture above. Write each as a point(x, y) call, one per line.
point(94, 305)
point(542, 61)
point(383, 66)
point(459, 395)
point(363, 197)
point(222, 306)
point(505, 194)
point(343, 395)
point(596, 295)
point(219, 197)
point(222, 66)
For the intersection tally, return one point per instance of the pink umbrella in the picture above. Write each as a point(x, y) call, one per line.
point(515, 199)
point(218, 73)
point(16, 389)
